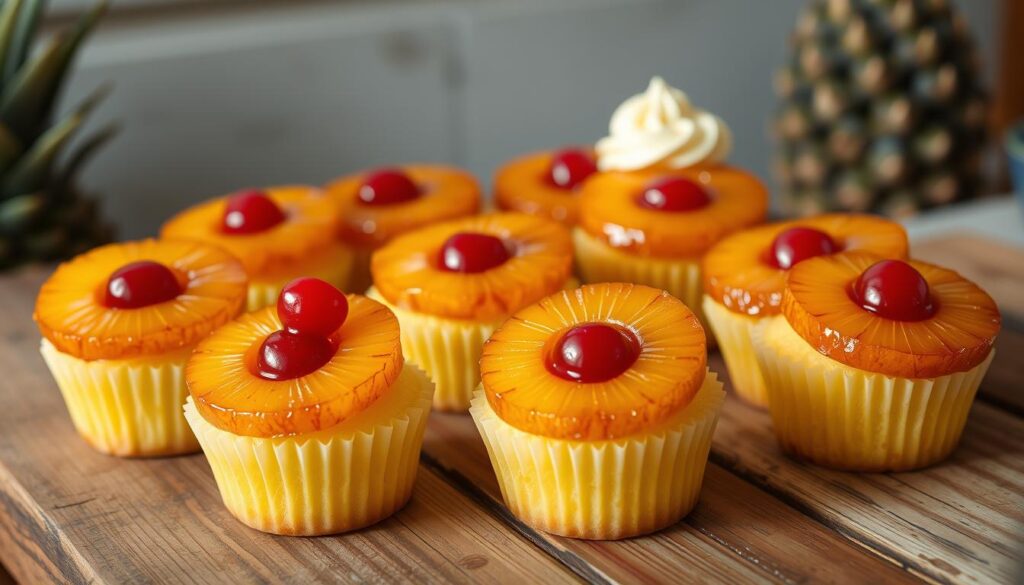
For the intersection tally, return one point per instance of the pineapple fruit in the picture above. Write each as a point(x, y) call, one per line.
point(43, 213)
point(882, 109)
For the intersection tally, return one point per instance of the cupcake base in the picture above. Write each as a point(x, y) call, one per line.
point(128, 408)
point(333, 265)
point(603, 490)
point(681, 277)
point(336, 480)
point(447, 349)
point(837, 416)
point(733, 333)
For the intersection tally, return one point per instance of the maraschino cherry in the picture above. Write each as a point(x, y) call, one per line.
point(593, 352)
point(387, 187)
point(311, 311)
point(250, 212)
point(674, 194)
point(798, 244)
point(570, 167)
point(895, 290)
point(141, 284)
point(470, 253)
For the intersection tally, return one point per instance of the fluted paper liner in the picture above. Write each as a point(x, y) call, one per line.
point(841, 417)
point(333, 265)
point(603, 489)
point(339, 479)
point(733, 332)
point(681, 277)
point(129, 408)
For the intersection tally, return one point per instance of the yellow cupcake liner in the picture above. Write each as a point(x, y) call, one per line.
point(733, 332)
point(339, 479)
point(128, 408)
point(841, 417)
point(681, 277)
point(447, 349)
point(333, 265)
point(603, 490)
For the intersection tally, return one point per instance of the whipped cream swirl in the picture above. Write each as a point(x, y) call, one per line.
point(660, 127)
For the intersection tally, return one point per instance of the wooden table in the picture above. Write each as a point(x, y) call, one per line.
point(70, 514)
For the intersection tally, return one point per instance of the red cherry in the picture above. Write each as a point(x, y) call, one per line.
point(570, 167)
point(141, 284)
point(285, 355)
point(312, 306)
point(469, 252)
point(895, 290)
point(674, 194)
point(798, 244)
point(250, 212)
point(386, 187)
point(593, 352)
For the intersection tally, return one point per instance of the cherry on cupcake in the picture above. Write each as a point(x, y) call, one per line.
point(140, 284)
point(570, 167)
point(798, 244)
point(593, 352)
point(311, 311)
point(387, 187)
point(471, 253)
point(250, 212)
point(674, 194)
point(895, 290)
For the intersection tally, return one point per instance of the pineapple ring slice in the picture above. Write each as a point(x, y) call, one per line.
point(522, 185)
point(222, 378)
point(664, 378)
point(310, 225)
point(406, 271)
point(609, 211)
point(447, 193)
point(71, 314)
point(737, 274)
point(959, 336)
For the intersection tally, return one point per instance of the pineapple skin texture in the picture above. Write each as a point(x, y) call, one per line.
point(837, 416)
point(603, 490)
point(339, 479)
point(733, 332)
point(126, 407)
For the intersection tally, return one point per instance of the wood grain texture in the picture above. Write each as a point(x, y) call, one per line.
point(70, 514)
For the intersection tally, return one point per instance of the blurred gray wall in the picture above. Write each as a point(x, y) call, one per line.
point(214, 100)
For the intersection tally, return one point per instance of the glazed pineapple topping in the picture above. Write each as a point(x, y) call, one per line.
point(472, 253)
point(311, 311)
point(593, 352)
point(387, 187)
point(250, 212)
point(570, 167)
point(141, 284)
point(798, 244)
point(673, 194)
point(895, 290)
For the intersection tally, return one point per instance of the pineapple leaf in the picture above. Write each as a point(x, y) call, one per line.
point(82, 153)
point(24, 31)
point(10, 148)
point(8, 19)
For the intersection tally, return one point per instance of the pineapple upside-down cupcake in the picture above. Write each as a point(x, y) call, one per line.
point(278, 233)
point(380, 204)
point(453, 283)
point(310, 419)
point(877, 361)
point(597, 410)
point(118, 325)
point(544, 183)
point(745, 274)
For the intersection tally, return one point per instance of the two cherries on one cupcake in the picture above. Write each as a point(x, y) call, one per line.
point(309, 416)
point(452, 284)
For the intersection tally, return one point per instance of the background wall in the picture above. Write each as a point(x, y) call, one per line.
point(221, 98)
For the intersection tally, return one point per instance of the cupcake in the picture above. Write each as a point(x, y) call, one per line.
point(381, 204)
point(310, 419)
point(452, 284)
point(663, 196)
point(745, 274)
point(597, 410)
point(876, 361)
point(278, 233)
point(118, 324)
point(544, 183)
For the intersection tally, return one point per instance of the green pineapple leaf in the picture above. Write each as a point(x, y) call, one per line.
point(81, 154)
point(24, 31)
point(10, 148)
point(8, 20)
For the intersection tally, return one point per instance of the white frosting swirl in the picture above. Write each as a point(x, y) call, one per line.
point(661, 127)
